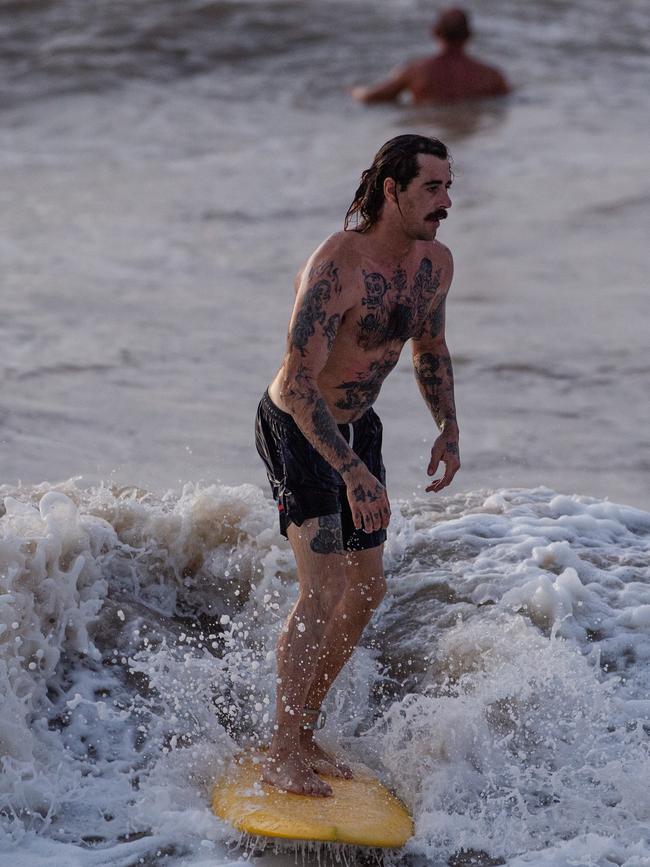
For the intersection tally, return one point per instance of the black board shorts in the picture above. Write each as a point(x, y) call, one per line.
point(304, 485)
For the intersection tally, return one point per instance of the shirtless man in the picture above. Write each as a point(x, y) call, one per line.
point(363, 293)
point(449, 76)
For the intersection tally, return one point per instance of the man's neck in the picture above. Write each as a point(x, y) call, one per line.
point(451, 50)
point(391, 242)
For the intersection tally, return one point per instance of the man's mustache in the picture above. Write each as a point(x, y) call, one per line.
point(440, 214)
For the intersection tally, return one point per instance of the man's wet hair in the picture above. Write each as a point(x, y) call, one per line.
point(396, 159)
point(452, 26)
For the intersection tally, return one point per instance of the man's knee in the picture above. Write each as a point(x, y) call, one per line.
point(375, 590)
point(365, 592)
point(321, 593)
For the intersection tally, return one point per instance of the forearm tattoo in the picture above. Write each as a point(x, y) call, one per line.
point(327, 430)
point(435, 379)
point(349, 465)
point(316, 421)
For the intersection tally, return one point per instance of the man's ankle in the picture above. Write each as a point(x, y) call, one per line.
point(285, 749)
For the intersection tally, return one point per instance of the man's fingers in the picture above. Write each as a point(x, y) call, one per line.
point(378, 517)
point(368, 504)
point(374, 521)
point(436, 456)
point(451, 469)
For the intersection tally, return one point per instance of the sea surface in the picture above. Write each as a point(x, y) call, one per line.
point(165, 168)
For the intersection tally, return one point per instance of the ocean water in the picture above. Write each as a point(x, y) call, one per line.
point(164, 170)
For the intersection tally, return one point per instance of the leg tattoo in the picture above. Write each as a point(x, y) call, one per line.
point(329, 538)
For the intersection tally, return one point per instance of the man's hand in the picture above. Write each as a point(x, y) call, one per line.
point(445, 449)
point(368, 500)
point(359, 92)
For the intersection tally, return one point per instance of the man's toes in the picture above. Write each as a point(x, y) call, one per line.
point(316, 786)
point(322, 766)
point(323, 789)
point(331, 769)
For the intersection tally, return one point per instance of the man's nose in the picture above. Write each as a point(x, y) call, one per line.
point(447, 200)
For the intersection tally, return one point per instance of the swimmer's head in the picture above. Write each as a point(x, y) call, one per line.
point(397, 159)
point(452, 27)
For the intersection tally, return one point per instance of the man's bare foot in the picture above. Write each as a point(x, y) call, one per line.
point(321, 761)
point(293, 773)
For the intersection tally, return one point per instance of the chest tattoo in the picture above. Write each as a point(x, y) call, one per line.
point(395, 310)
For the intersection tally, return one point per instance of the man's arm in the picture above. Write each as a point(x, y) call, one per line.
point(385, 91)
point(435, 378)
point(321, 303)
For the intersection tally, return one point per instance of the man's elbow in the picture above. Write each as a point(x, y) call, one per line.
point(289, 394)
point(298, 386)
point(434, 347)
point(361, 94)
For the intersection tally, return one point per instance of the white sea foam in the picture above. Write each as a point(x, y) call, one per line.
point(501, 689)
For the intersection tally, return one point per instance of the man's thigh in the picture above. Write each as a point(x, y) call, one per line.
point(316, 539)
point(322, 560)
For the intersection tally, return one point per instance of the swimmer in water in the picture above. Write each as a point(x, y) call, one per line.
point(447, 77)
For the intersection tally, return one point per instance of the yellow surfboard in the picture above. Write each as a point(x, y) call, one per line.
point(360, 811)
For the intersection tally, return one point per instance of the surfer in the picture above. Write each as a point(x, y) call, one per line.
point(361, 295)
point(449, 76)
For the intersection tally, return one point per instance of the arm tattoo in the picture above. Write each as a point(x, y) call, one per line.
point(327, 431)
point(330, 328)
point(302, 387)
point(350, 465)
point(436, 320)
point(312, 311)
point(435, 379)
point(316, 422)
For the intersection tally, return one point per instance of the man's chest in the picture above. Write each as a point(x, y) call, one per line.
point(393, 304)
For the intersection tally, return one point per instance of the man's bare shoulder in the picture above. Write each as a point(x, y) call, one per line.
point(491, 77)
point(443, 253)
point(337, 252)
point(341, 249)
point(439, 254)
point(446, 264)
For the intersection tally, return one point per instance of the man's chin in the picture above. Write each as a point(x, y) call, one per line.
point(427, 233)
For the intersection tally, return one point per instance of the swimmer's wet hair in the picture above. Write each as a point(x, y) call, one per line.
point(396, 159)
point(452, 26)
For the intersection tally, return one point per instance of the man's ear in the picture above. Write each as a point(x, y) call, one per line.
point(390, 189)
